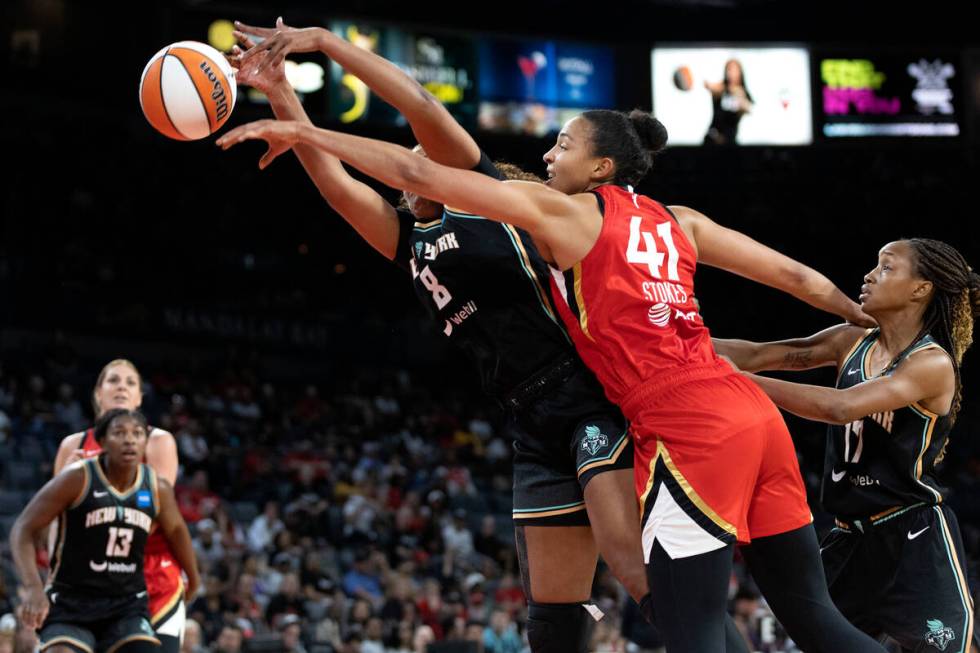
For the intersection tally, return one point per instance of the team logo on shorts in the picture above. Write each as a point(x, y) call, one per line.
point(594, 440)
point(939, 635)
point(418, 250)
point(146, 627)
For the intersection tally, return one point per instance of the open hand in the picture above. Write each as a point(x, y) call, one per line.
point(247, 71)
point(280, 41)
point(281, 135)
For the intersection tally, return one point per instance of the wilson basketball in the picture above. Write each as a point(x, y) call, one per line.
point(187, 90)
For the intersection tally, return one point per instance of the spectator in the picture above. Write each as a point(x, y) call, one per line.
point(67, 410)
point(196, 500)
point(209, 610)
point(423, 637)
point(244, 604)
point(352, 643)
point(192, 642)
point(193, 446)
point(509, 595)
point(457, 538)
point(264, 528)
point(229, 640)
point(474, 633)
point(373, 634)
point(207, 544)
point(501, 635)
point(487, 543)
point(290, 628)
point(403, 638)
point(287, 601)
point(362, 580)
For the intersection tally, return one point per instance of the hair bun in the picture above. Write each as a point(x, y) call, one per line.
point(651, 131)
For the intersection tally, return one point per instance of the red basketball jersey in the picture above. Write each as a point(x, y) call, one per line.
point(629, 304)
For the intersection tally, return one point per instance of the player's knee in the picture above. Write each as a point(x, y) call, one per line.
point(558, 627)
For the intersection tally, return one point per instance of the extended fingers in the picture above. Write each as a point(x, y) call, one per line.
point(244, 39)
point(257, 31)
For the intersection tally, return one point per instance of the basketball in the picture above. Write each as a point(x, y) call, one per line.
point(683, 79)
point(187, 90)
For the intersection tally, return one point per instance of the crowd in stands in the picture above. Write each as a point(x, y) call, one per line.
point(370, 514)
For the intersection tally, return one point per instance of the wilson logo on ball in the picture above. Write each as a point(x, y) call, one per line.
point(218, 94)
point(187, 90)
point(659, 315)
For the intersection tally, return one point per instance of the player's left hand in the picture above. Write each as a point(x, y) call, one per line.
point(281, 135)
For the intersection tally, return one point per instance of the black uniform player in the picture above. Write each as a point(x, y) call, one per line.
point(505, 322)
point(895, 561)
point(484, 283)
point(96, 598)
point(895, 539)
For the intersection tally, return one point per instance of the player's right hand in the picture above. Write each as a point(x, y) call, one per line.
point(281, 135)
point(34, 609)
point(247, 71)
point(280, 41)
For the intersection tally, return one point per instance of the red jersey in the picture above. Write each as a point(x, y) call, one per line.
point(629, 304)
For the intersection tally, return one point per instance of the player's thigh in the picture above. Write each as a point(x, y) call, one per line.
point(561, 562)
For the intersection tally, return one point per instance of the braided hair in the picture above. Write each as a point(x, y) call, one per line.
point(954, 305)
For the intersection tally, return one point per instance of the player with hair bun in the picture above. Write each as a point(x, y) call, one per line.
point(714, 462)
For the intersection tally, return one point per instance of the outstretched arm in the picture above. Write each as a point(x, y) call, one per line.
point(55, 497)
point(735, 252)
point(443, 139)
point(927, 375)
point(567, 225)
point(819, 350)
point(360, 205)
point(174, 528)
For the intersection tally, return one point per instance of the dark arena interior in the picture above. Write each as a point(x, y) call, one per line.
point(346, 481)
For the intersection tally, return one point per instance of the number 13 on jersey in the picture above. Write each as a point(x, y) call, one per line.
point(650, 255)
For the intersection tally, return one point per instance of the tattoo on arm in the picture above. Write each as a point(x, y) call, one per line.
point(798, 359)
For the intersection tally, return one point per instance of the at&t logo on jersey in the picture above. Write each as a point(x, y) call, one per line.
point(659, 315)
point(594, 440)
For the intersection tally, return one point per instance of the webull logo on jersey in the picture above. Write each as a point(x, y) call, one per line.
point(594, 440)
point(457, 318)
point(938, 634)
point(112, 567)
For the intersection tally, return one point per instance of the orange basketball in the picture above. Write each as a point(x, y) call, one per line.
point(187, 90)
point(683, 79)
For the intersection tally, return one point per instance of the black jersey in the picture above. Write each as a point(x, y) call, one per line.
point(101, 537)
point(486, 286)
point(885, 461)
